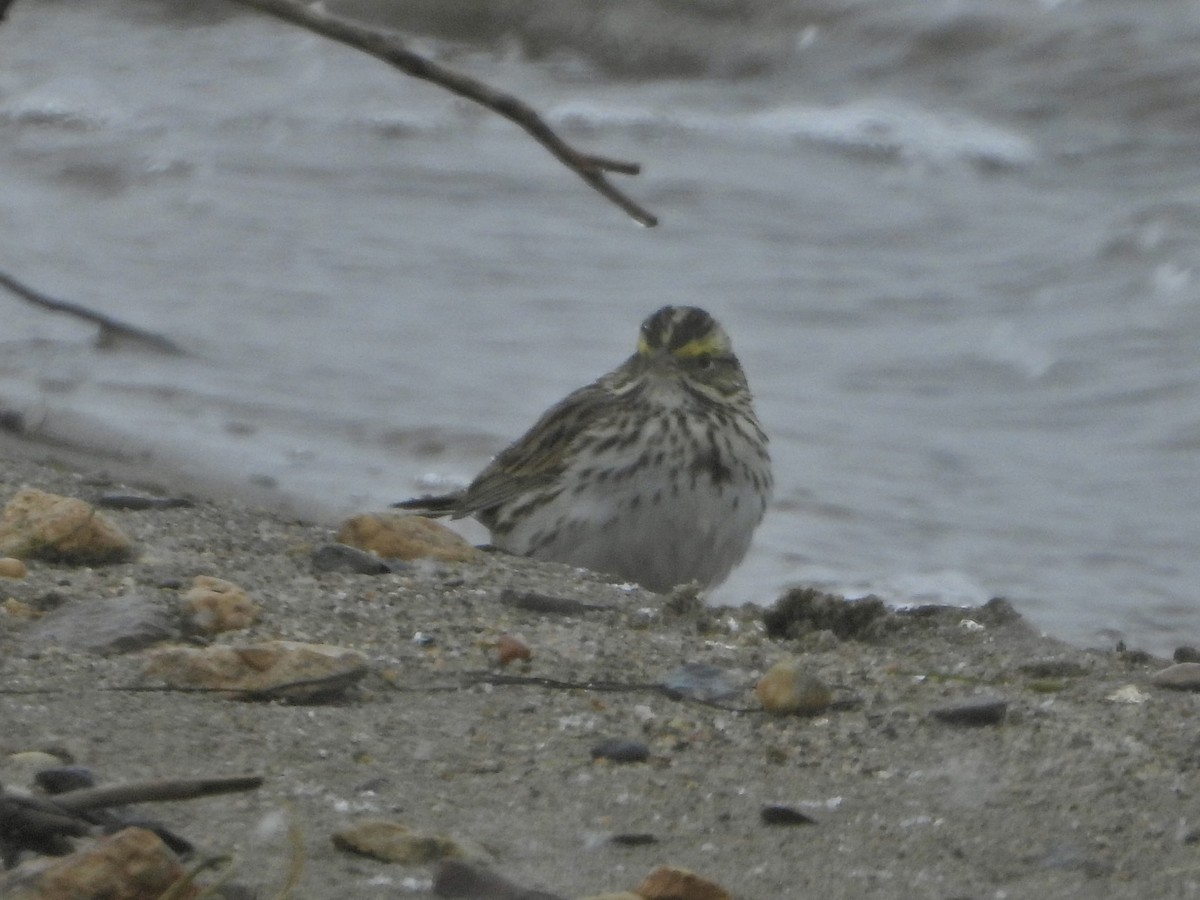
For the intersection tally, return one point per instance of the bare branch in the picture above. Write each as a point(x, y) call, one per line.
point(388, 47)
point(111, 330)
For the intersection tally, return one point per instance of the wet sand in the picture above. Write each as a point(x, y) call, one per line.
point(1089, 787)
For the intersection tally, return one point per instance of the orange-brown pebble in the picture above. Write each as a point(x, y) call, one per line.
point(215, 605)
point(18, 610)
point(36, 523)
point(669, 883)
point(397, 536)
point(510, 648)
point(787, 690)
point(12, 568)
point(133, 864)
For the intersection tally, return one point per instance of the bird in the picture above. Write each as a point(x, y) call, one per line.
point(656, 473)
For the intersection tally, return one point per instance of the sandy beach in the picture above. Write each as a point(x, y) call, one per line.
point(1088, 786)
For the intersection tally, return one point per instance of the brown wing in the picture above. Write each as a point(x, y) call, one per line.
point(540, 456)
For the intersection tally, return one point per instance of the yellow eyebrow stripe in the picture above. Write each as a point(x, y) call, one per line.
point(700, 347)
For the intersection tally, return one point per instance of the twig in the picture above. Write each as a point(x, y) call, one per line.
point(154, 791)
point(389, 48)
point(111, 330)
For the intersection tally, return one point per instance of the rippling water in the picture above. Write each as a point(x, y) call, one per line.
point(955, 245)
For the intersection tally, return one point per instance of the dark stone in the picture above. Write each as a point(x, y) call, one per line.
point(619, 750)
point(544, 603)
point(633, 839)
point(1186, 654)
point(454, 878)
point(699, 681)
point(344, 558)
point(117, 625)
point(65, 778)
point(778, 814)
point(804, 610)
point(988, 711)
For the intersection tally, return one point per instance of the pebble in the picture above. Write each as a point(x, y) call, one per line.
point(274, 669)
point(398, 536)
point(786, 689)
point(397, 843)
point(510, 648)
point(344, 558)
point(10, 567)
point(670, 883)
point(544, 603)
point(133, 864)
point(1184, 676)
point(458, 879)
point(50, 526)
point(214, 605)
point(984, 711)
point(699, 681)
point(116, 625)
point(620, 750)
point(779, 814)
point(1186, 655)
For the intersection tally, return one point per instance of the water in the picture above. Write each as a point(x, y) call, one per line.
point(955, 245)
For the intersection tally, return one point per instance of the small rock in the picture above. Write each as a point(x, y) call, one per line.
point(10, 567)
point(985, 711)
point(618, 750)
point(787, 690)
point(633, 839)
point(544, 603)
point(1184, 676)
point(619, 895)
point(116, 625)
point(397, 843)
point(699, 681)
point(19, 610)
point(669, 883)
point(458, 879)
point(275, 669)
point(510, 648)
point(1186, 655)
point(398, 536)
point(779, 814)
point(215, 605)
point(344, 558)
point(48, 526)
point(1129, 693)
point(133, 864)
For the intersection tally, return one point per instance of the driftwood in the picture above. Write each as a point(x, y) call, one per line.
point(112, 331)
point(390, 48)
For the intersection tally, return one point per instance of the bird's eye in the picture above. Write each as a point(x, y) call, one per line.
point(704, 362)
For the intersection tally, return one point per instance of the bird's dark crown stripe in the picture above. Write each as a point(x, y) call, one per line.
point(677, 327)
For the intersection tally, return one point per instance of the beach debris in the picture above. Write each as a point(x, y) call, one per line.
point(19, 609)
point(458, 879)
point(802, 611)
point(786, 689)
point(1184, 676)
point(633, 839)
point(344, 558)
point(670, 883)
point(399, 536)
point(981, 711)
point(1186, 654)
point(394, 842)
point(142, 502)
point(1053, 668)
point(621, 750)
point(106, 626)
point(11, 567)
point(510, 648)
point(62, 529)
point(782, 814)
point(272, 670)
point(214, 605)
point(699, 681)
point(546, 603)
point(133, 864)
